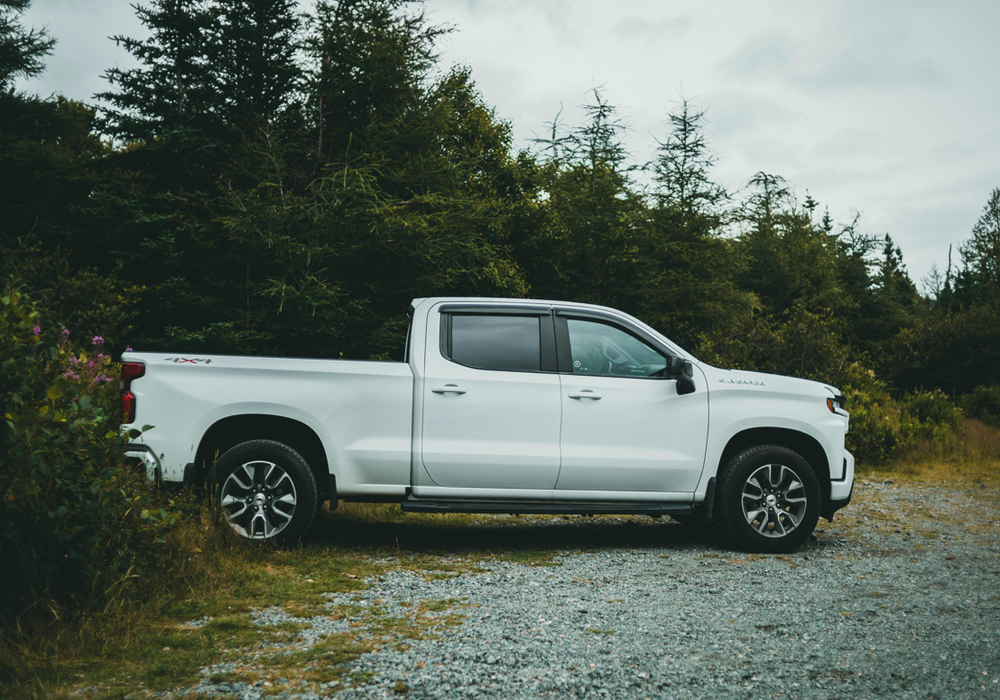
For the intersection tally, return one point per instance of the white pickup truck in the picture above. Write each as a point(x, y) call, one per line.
point(501, 406)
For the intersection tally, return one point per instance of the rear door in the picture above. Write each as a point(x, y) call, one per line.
point(491, 399)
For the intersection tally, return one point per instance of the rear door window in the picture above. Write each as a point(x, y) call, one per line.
point(511, 343)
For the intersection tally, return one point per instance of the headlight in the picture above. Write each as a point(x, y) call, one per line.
point(837, 402)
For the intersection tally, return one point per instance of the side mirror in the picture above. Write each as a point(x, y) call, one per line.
point(680, 369)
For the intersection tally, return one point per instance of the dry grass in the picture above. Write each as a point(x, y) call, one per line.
point(969, 454)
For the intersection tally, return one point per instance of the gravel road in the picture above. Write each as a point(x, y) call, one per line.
point(899, 598)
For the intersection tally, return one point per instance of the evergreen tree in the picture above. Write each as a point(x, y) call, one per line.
point(687, 270)
point(979, 279)
point(370, 62)
point(252, 48)
point(789, 259)
point(21, 50)
point(681, 169)
point(590, 227)
point(415, 197)
point(210, 72)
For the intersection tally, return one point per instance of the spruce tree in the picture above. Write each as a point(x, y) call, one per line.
point(21, 50)
point(687, 268)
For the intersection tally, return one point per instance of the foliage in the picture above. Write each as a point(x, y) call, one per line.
point(21, 50)
point(263, 182)
point(76, 525)
point(983, 404)
point(979, 279)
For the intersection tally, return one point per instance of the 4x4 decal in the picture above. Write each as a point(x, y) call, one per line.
point(189, 360)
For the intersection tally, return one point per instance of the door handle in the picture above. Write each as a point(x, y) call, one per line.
point(448, 389)
point(585, 394)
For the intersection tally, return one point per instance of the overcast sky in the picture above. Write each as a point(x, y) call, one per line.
point(890, 108)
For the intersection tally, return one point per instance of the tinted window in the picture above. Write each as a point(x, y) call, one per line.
point(599, 348)
point(496, 342)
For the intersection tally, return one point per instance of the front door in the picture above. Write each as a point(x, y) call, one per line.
point(625, 428)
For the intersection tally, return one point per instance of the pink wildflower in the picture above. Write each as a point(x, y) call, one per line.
point(37, 331)
point(97, 340)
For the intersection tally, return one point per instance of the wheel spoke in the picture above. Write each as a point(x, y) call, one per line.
point(234, 478)
point(279, 480)
point(287, 515)
point(779, 525)
point(267, 476)
point(265, 524)
point(752, 514)
point(236, 513)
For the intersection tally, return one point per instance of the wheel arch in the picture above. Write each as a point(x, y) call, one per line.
point(233, 430)
point(804, 445)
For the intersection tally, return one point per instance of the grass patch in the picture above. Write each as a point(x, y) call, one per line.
point(969, 453)
point(201, 612)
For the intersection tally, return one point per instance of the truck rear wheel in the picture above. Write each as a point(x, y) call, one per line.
point(769, 499)
point(266, 491)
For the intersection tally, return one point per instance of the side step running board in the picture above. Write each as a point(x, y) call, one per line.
point(545, 508)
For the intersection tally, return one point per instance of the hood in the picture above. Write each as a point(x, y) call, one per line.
point(740, 380)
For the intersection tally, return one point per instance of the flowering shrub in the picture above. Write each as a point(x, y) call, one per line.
point(75, 522)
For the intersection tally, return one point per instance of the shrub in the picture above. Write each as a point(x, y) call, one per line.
point(930, 415)
point(75, 524)
point(983, 404)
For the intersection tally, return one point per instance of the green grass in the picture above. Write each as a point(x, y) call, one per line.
point(154, 647)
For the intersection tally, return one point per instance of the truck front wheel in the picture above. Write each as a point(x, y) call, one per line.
point(769, 499)
point(266, 491)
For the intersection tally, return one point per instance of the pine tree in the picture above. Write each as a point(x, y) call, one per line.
point(979, 278)
point(681, 169)
point(370, 60)
point(592, 211)
point(21, 50)
point(210, 73)
point(687, 268)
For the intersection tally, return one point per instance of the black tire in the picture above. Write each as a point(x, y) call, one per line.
point(266, 491)
point(769, 499)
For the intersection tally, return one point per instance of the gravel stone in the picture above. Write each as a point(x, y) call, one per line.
point(898, 599)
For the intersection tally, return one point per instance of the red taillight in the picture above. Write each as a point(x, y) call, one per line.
point(130, 371)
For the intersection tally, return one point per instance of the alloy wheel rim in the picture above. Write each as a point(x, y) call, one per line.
point(259, 499)
point(774, 500)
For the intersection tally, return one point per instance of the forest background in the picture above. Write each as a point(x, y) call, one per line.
point(267, 183)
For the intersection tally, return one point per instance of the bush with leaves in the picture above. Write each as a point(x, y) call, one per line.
point(983, 404)
point(75, 524)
